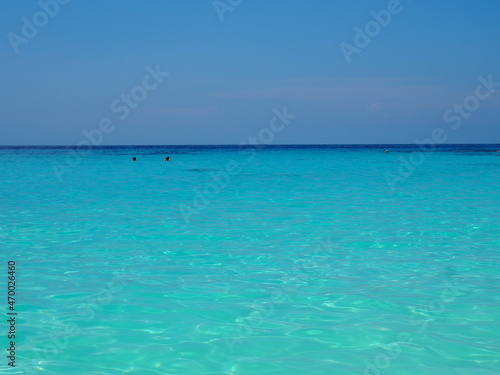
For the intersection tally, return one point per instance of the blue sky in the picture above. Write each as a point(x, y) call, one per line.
point(227, 75)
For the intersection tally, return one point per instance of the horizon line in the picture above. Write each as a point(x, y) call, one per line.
point(248, 145)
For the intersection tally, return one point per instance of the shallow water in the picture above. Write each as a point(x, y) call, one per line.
point(284, 260)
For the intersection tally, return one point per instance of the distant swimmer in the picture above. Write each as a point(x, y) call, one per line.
point(134, 158)
point(167, 158)
point(386, 151)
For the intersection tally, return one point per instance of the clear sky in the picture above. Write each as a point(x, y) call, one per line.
point(230, 67)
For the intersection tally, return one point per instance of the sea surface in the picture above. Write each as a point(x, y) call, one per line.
point(288, 260)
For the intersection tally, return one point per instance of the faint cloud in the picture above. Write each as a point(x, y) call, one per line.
point(373, 95)
point(188, 111)
point(375, 107)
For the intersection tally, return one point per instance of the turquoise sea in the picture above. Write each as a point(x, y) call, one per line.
point(280, 260)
